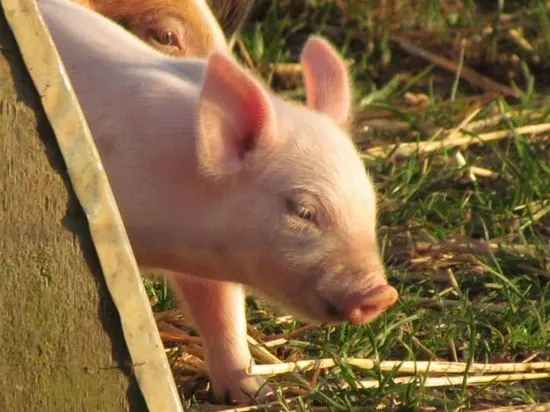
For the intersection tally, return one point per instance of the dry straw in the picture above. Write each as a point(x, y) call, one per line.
point(456, 139)
point(400, 366)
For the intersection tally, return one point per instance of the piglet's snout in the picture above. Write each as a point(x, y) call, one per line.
point(363, 307)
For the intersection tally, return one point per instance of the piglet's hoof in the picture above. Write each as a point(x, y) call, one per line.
point(245, 391)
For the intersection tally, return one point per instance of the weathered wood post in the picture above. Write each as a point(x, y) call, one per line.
point(76, 333)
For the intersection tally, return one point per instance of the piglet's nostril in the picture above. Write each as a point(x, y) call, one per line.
point(333, 311)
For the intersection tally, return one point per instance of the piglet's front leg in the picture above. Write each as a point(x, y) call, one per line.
point(218, 311)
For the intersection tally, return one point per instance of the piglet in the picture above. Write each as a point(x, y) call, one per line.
point(225, 184)
point(185, 28)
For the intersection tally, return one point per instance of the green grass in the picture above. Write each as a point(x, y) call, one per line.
point(454, 304)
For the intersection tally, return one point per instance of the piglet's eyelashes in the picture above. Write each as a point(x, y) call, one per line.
point(303, 211)
point(162, 31)
point(165, 36)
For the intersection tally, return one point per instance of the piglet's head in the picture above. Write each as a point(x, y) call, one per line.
point(177, 28)
point(292, 209)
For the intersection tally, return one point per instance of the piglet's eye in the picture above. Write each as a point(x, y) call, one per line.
point(302, 211)
point(164, 37)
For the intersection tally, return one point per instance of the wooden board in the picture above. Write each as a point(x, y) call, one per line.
point(61, 345)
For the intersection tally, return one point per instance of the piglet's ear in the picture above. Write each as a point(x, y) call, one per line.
point(326, 79)
point(236, 117)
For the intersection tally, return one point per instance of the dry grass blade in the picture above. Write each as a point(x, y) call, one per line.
point(290, 335)
point(516, 36)
point(540, 407)
point(495, 120)
point(399, 366)
point(293, 69)
point(299, 366)
point(167, 314)
point(437, 304)
point(456, 131)
point(260, 352)
point(481, 172)
point(385, 113)
point(245, 54)
point(261, 407)
point(478, 247)
point(328, 409)
point(434, 382)
point(461, 139)
point(170, 333)
point(468, 74)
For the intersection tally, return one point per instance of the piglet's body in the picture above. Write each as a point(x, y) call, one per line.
point(223, 183)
